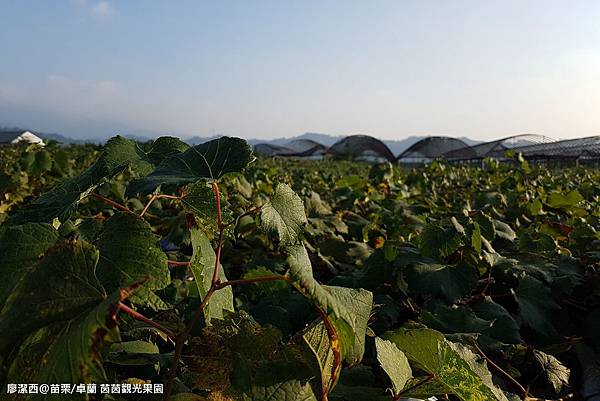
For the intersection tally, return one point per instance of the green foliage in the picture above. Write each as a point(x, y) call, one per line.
point(200, 200)
point(449, 282)
point(359, 279)
point(20, 247)
point(212, 159)
point(284, 215)
point(60, 202)
point(129, 253)
point(394, 363)
point(203, 266)
point(536, 306)
point(429, 351)
point(553, 371)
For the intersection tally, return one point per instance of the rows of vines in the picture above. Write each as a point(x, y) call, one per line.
point(226, 277)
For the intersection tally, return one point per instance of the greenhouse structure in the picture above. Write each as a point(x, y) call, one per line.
point(536, 148)
point(429, 149)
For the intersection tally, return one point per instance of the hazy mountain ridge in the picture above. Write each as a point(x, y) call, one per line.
point(396, 145)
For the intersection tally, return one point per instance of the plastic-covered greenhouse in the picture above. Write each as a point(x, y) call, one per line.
point(580, 149)
point(296, 148)
point(495, 149)
point(361, 147)
point(306, 148)
point(430, 148)
point(536, 148)
point(268, 149)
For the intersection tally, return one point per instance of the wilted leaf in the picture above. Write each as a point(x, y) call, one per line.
point(292, 390)
point(503, 230)
point(351, 305)
point(553, 370)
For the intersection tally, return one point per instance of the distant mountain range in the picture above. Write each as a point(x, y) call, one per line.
point(396, 146)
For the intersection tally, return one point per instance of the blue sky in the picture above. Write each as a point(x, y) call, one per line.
point(269, 69)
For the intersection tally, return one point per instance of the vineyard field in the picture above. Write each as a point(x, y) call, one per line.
point(225, 276)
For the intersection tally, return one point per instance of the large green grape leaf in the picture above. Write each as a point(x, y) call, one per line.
point(61, 201)
point(68, 351)
point(357, 304)
point(351, 305)
point(300, 271)
point(449, 282)
point(21, 247)
point(202, 266)
point(57, 321)
point(264, 368)
point(211, 159)
point(61, 285)
point(429, 351)
point(536, 305)
point(394, 364)
point(440, 242)
point(503, 327)
point(454, 319)
point(129, 252)
point(42, 162)
point(120, 153)
point(284, 215)
point(479, 366)
point(558, 200)
point(164, 147)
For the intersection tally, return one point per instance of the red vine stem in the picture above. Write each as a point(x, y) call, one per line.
point(178, 263)
point(111, 202)
point(138, 316)
point(249, 212)
point(156, 197)
point(215, 275)
point(511, 379)
point(335, 348)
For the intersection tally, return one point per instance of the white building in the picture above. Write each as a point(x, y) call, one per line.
point(14, 137)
